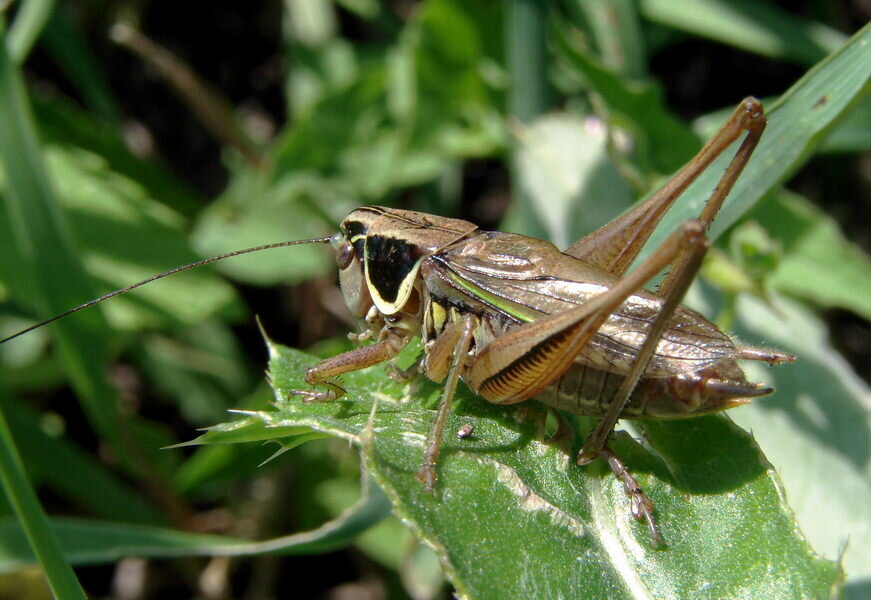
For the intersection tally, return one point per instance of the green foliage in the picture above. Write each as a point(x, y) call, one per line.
point(405, 113)
point(513, 515)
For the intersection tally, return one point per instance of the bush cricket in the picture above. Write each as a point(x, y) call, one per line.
point(515, 318)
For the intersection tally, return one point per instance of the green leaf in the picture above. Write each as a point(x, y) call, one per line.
point(514, 513)
point(203, 367)
point(665, 141)
point(816, 430)
point(616, 27)
point(35, 533)
point(754, 26)
point(253, 428)
point(311, 22)
point(126, 236)
point(101, 542)
point(252, 211)
point(69, 48)
point(853, 133)
point(64, 124)
point(123, 234)
point(40, 261)
point(797, 122)
point(818, 263)
point(563, 166)
point(451, 41)
point(25, 30)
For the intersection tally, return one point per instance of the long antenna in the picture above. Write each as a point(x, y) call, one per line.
point(193, 265)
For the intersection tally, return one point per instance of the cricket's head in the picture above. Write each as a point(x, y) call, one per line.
point(378, 252)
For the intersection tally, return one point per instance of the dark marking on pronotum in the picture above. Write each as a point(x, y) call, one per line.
point(388, 262)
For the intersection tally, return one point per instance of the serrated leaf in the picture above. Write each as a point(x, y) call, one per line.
point(253, 428)
point(513, 515)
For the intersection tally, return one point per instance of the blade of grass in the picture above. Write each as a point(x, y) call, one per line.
point(101, 542)
point(616, 28)
point(48, 278)
point(797, 122)
point(756, 27)
point(46, 547)
point(525, 46)
point(56, 464)
point(69, 48)
point(29, 22)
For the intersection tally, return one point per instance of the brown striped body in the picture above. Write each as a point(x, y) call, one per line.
point(693, 371)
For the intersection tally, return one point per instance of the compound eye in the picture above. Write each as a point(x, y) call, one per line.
point(344, 254)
